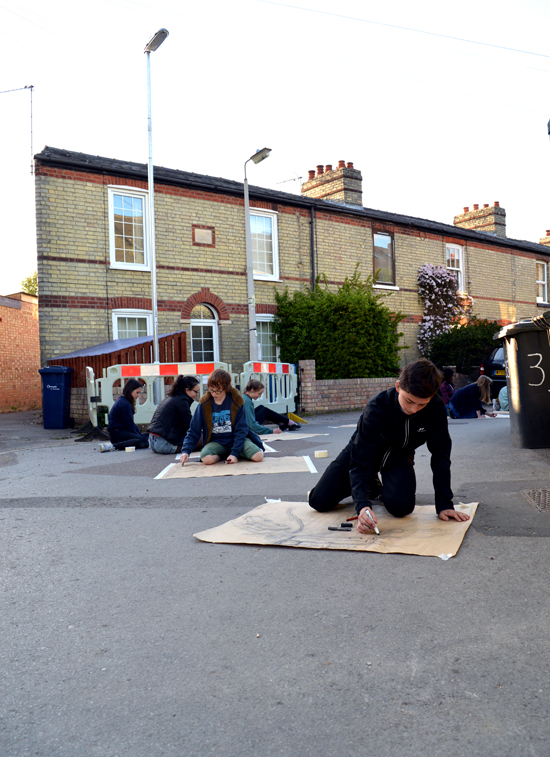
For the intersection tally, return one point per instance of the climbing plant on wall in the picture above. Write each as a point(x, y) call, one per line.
point(443, 304)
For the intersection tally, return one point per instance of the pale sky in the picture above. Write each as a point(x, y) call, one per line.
point(433, 123)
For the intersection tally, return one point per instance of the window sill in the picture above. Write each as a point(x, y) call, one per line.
point(129, 267)
point(274, 279)
point(386, 286)
point(543, 304)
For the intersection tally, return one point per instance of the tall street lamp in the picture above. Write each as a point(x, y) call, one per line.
point(154, 43)
point(258, 156)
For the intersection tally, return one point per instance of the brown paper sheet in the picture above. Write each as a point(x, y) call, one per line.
point(286, 436)
point(296, 524)
point(242, 468)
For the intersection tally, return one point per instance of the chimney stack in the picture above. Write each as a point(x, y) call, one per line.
point(546, 240)
point(490, 220)
point(342, 184)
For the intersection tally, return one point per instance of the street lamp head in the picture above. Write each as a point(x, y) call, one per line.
point(260, 155)
point(156, 41)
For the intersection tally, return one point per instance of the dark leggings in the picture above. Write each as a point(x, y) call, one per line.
point(398, 492)
point(122, 439)
point(264, 413)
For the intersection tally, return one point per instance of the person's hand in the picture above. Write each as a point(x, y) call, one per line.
point(452, 514)
point(365, 525)
point(492, 415)
point(184, 457)
point(231, 460)
point(277, 431)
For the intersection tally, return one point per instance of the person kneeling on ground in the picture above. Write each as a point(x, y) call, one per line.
point(255, 416)
point(393, 425)
point(172, 417)
point(221, 420)
point(467, 402)
point(123, 432)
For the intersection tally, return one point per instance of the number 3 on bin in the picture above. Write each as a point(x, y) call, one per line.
point(537, 365)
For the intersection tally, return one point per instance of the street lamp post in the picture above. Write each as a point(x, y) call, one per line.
point(154, 43)
point(258, 156)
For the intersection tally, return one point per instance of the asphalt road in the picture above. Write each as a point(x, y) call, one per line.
point(122, 635)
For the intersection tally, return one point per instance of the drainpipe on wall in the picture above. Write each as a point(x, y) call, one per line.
point(312, 246)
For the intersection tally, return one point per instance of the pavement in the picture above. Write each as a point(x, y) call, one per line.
point(123, 636)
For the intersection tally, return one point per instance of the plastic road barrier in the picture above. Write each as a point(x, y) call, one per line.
point(102, 388)
point(280, 381)
point(527, 365)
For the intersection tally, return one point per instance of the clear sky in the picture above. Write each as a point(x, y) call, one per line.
point(433, 123)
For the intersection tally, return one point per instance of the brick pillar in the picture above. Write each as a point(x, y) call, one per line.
point(307, 385)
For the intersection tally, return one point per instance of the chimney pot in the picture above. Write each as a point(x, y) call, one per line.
point(466, 210)
point(486, 205)
point(320, 170)
point(328, 168)
point(350, 165)
point(497, 204)
point(476, 207)
point(311, 175)
point(341, 164)
point(548, 232)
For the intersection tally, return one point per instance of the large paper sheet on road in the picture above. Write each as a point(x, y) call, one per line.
point(296, 524)
point(242, 468)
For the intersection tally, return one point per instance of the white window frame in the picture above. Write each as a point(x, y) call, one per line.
point(126, 313)
point(275, 241)
point(215, 333)
point(267, 318)
point(129, 192)
point(542, 281)
point(460, 270)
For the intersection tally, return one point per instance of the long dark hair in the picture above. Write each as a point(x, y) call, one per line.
point(181, 384)
point(129, 387)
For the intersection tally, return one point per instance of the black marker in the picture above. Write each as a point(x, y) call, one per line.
point(338, 528)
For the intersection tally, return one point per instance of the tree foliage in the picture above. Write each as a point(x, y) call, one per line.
point(464, 346)
point(349, 333)
point(443, 304)
point(30, 284)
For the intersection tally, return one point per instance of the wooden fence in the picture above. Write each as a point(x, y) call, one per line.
point(172, 349)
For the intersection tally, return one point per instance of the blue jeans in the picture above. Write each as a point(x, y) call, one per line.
point(160, 445)
point(455, 414)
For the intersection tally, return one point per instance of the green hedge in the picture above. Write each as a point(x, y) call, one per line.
point(349, 333)
point(465, 346)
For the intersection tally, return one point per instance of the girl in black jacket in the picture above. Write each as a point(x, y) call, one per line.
point(393, 425)
point(173, 416)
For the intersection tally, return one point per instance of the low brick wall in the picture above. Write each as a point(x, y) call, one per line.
point(338, 395)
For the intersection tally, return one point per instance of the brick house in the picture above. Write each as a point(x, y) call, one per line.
point(20, 386)
point(94, 271)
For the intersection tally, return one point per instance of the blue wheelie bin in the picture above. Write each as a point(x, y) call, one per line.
point(527, 345)
point(56, 395)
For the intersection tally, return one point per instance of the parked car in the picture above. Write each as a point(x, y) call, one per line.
point(494, 368)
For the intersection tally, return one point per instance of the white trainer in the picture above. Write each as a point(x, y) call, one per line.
point(106, 447)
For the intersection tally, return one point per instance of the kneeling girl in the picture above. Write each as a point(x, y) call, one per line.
point(221, 419)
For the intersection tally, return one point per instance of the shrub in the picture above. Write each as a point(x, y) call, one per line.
point(464, 346)
point(349, 333)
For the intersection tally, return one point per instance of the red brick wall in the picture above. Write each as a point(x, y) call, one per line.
point(20, 385)
point(336, 395)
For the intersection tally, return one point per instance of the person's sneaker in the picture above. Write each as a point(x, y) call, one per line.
point(106, 447)
point(293, 426)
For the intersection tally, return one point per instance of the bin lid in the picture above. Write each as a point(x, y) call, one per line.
point(537, 323)
point(56, 369)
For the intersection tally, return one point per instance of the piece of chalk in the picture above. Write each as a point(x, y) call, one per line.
point(130, 449)
point(321, 453)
